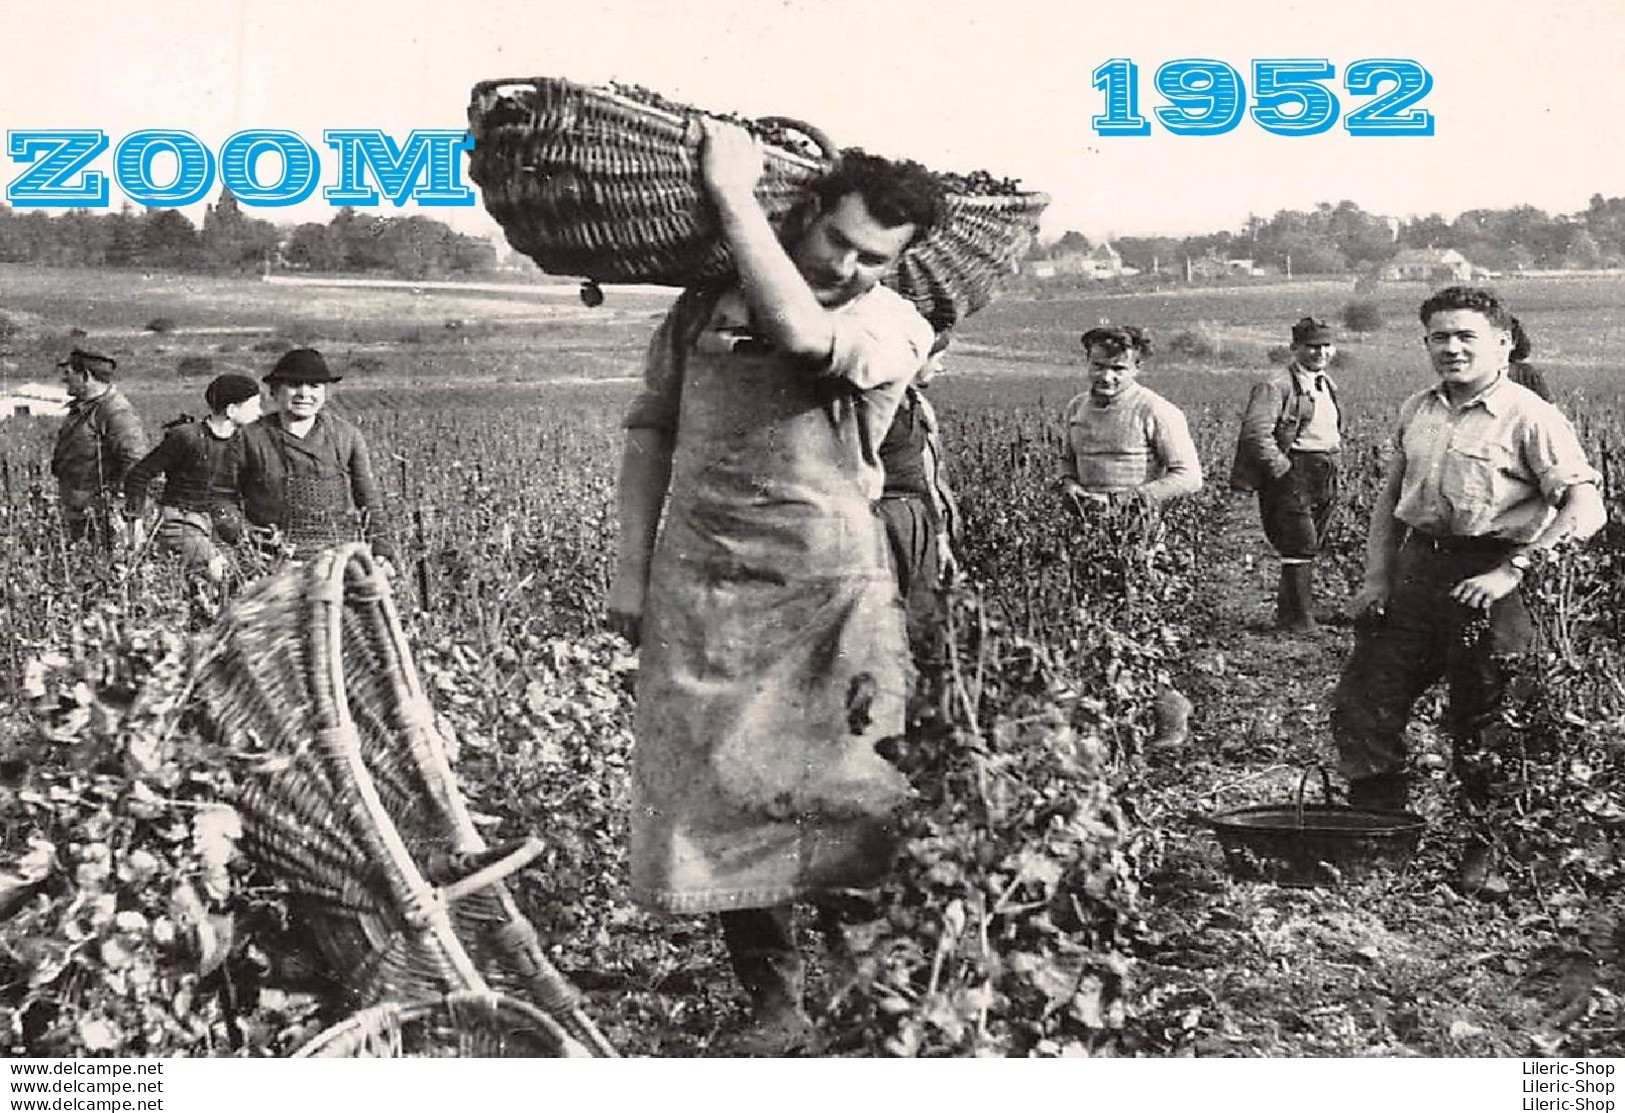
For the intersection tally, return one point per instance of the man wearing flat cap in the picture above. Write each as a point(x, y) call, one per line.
point(305, 474)
point(1291, 437)
point(1122, 440)
point(99, 441)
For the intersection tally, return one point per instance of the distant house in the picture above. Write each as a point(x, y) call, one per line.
point(1429, 264)
point(37, 399)
point(1101, 261)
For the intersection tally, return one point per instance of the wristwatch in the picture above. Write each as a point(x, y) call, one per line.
point(1521, 561)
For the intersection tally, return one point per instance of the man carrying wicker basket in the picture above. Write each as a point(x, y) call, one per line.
point(774, 654)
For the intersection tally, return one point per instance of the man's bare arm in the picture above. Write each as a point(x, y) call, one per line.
point(640, 495)
point(1382, 541)
point(1579, 515)
point(783, 304)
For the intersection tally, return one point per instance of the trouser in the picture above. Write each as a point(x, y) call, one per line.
point(88, 519)
point(762, 944)
point(1298, 508)
point(1424, 636)
point(911, 532)
point(762, 948)
point(190, 535)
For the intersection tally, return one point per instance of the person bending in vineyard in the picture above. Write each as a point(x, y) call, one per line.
point(773, 647)
point(1288, 450)
point(99, 441)
point(1484, 479)
point(1122, 439)
point(305, 474)
point(1520, 370)
point(198, 509)
point(919, 508)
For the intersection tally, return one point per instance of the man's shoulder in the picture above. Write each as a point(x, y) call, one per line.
point(259, 434)
point(1074, 403)
point(186, 433)
point(1416, 401)
point(1525, 403)
point(1156, 404)
point(1274, 382)
point(883, 304)
point(115, 403)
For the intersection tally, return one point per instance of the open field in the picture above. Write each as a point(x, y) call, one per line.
point(495, 422)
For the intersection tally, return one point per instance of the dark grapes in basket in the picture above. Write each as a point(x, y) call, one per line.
point(979, 183)
point(778, 134)
point(517, 108)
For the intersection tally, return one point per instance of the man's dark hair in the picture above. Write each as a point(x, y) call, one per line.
point(1522, 346)
point(1114, 340)
point(895, 192)
point(1472, 298)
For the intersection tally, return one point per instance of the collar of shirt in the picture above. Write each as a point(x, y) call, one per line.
point(278, 422)
point(1486, 397)
point(1308, 380)
point(1126, 394)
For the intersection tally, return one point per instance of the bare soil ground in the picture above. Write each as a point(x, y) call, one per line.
point(1391, 963)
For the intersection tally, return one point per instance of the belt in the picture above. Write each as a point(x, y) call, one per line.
point(1447, 544)
point(1315, 451)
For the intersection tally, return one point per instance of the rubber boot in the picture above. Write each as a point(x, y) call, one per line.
point(1382, 792)
point(1294, 599)
point(761, 947)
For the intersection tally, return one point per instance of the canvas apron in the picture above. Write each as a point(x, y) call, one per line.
point(774, 654)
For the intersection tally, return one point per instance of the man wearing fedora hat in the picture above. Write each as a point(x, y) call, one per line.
point(1291, 437)
point(304, 473)
point(99, 441)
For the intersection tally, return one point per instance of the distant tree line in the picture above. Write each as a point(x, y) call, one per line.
point(230, 242)
point(1341, 238)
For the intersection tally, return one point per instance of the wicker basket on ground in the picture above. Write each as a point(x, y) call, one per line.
point(348, 799)
point(589, 182)
point(456, 1026)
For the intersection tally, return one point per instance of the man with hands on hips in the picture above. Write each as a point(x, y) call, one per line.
point(1485, 479)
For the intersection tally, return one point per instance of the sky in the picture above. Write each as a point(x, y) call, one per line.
point(1525, 96)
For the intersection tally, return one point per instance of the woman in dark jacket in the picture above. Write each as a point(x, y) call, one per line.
point(305, 475)
point(197, 507)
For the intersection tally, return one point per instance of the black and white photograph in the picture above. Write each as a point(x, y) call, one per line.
point(823, 529)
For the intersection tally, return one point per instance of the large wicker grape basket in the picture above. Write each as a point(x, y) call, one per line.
point(349, 803)
point(591, 182)
point(456, 1026)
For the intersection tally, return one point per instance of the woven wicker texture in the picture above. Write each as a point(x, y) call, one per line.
point(458, 1025)
point(349, 800)
point(586, 182)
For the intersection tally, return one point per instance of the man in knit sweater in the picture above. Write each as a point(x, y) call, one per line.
point(1123, 440)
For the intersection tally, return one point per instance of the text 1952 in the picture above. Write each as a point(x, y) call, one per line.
point(1290, 97)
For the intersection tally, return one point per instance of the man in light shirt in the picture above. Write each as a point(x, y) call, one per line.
point(1123, 441)
point(1291, 436)
point(1485, 478)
